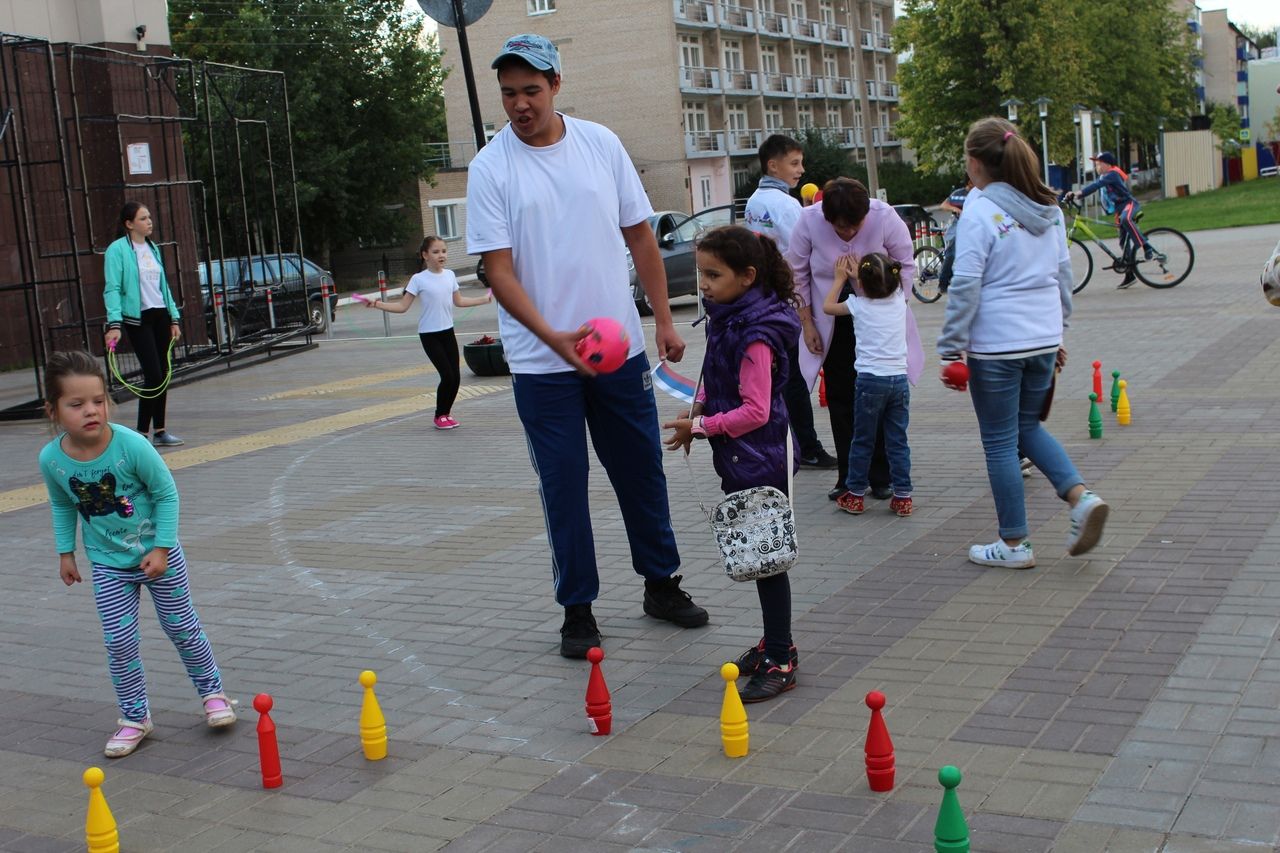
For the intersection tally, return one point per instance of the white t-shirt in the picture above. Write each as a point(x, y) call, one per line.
point(774, 212)
point(148, 276)
point(435, 290)
point(559, 210)
point(880, 326)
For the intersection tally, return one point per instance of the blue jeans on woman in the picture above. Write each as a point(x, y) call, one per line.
point(880, 399)
point(1008, 396)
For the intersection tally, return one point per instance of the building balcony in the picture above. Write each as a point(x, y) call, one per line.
point(879, 90)
point(744, 141)
point(741, 82)
point(876, 41)
point(833, 34)
point(844, 137)
point(775, 84)
point(695, 13)
point(1242, 76)
point(838, 87)
point(883, 136)
point(805, 87)
point(451, 155)
point(704, 143)
point(773, 24)
point(699, 80)
point(806, 29)
point(735, 17)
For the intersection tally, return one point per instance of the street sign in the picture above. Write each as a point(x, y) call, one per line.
point(1244, 134)
point(441, 11)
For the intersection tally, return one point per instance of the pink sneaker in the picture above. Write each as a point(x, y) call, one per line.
point(446, 422)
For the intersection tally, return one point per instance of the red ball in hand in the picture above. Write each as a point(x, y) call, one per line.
point(957, 373)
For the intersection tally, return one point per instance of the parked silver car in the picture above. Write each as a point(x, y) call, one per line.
point(677, 233)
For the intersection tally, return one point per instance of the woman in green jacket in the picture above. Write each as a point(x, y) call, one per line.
point(138, 299)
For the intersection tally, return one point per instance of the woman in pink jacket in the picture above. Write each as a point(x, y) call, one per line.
point(846, 222)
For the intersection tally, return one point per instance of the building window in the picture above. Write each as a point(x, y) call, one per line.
point(800, 64)
point(834, 118)
point(691, 51)
point(735, 117)
point(704, 189)
point(882, 72)
point(772, 118)
point(827, 13)
point(769, 58)
point(446, 220)
point(732, 55)
point(695, 117)
point(829, 66)
point(541, 7)
point(798, 10)
point(804, 116)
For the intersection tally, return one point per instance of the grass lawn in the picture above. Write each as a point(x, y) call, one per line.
point(1250, 203)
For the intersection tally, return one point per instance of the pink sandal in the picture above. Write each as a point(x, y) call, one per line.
point(218, 710)
point(127, 737)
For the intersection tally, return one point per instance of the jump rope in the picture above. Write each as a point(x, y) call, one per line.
point(137, 391)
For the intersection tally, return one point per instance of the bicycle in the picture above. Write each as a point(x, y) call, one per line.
point(928, 260)
point(1169, 265)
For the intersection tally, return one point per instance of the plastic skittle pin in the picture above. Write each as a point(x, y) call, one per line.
point(99, 824)
point(1095, 417)
point(733, 716)
point(373, 726)
point(1123, 413)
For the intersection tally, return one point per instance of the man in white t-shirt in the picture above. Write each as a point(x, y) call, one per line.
point(553, 202)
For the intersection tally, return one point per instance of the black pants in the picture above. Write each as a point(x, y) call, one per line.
point(800, 407)
point(842, 383)
point(775, 613)
point(150, 343)
point(442, 348)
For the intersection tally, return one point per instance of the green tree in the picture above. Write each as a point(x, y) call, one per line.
point(365, 101)
point(1261, 37)
point(1224, 121)
point(1272, 128)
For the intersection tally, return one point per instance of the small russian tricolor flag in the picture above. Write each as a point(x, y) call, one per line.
point(673, 383)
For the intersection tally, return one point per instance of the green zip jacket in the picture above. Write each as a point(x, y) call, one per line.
point(123, 296)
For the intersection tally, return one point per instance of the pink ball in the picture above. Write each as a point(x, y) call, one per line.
point(606, 345)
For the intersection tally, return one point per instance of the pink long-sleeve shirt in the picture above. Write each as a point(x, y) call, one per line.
point(755, 384)
point(812, 253)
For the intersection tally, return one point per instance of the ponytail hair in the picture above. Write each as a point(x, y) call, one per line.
point(879, 275)
point(1007, 157)
point(427, 242)
point(740, 249)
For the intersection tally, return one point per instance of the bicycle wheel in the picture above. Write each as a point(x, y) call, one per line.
point(1173, 261)
point(1081, 264)
point(928, 265)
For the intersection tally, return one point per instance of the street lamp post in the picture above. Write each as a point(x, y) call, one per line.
point(1042, 103)
point(1097, 130)
point(1160, 129)
point(1012, 104)
point(1115, 120)
point(1076, 111)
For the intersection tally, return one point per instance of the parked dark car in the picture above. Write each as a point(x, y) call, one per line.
point(677, 233)
point(294, 282)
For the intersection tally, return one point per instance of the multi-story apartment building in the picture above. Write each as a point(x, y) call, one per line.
point(1227, 53)
point(1195, 23)
point(692, 87)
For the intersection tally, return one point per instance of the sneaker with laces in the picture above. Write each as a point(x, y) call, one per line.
point(749, 661)
point(127, 737)
point(664, 599)
point(579, 632)
point(900, 506)
point(822, 460)
point(768, 681)
point(1129, 278)
point(164, 438)
point(1001, 556)
point(1088, 518)
point(851, 503)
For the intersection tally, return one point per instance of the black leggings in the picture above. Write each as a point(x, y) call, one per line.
point(775, 613)
point(442, 348)
point(150, 343)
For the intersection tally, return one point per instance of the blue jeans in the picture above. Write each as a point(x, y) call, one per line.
point(1008, 395)
point(557, 410)
point(887, 400)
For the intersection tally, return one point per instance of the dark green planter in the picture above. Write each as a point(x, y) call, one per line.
point(486, 359)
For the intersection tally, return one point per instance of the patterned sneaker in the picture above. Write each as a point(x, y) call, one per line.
point(1001, 556)
point(770, 680)
point(445, 422)
point(127, 737)
point(749, 661)
point(901, 506)
point(218, 710)
point(851, 503)
point(1088, 517)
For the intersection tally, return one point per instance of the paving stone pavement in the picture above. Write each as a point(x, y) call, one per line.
point(1128, 701)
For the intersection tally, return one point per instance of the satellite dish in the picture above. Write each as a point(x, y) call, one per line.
point(441, 11)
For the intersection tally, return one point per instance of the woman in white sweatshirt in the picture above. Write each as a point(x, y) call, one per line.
point(1007, 306)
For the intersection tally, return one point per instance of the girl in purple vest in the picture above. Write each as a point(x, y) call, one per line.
point(751, 322)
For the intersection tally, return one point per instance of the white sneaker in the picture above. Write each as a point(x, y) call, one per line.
point(1000, 555)
point(1026, 467)
point(1088, 517)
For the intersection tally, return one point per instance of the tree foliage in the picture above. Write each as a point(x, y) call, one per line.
point(967, 56)
point(365, 101)
point(1224, 121)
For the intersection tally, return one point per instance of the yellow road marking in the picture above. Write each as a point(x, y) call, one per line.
point(29, 496)
point(348, 384)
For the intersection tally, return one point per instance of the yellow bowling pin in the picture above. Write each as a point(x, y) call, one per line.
point(99, 825)
point(373, 726)
point(1123, 413)
point(733, 717)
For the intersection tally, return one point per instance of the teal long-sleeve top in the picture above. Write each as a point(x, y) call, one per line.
point(126, 499)
point(122, 295)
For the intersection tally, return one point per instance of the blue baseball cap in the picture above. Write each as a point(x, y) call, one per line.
point(1105, 157)
point(536, 50)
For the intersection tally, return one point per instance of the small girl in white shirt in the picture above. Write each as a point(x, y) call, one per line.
point(438, 288)
point(875, 299)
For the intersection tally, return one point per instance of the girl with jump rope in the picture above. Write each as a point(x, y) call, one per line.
point(751, 323)
point(438, 288)
point(125, 496)
point(138, 299)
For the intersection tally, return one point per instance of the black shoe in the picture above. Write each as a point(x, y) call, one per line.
point(579, 632)
point(837, 492)
point(665, 599)
point(882, 493)
point(1129, 278)
point(750, 660)
point(769, 681)
point(822, 461)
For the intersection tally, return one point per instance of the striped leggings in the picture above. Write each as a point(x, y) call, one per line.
point(117, 593)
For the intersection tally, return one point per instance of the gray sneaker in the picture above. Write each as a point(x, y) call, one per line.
point(164, 438)
point(1088, 517)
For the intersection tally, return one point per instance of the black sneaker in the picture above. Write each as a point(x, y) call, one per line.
point(1129, 278)
point(837, 492)
point(769, 681)
point(665, 599)
point(751, 659)
point(821, 461)
point(882, 493)
point(579, 632)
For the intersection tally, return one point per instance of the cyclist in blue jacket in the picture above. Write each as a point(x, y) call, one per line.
point(1117, 199)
